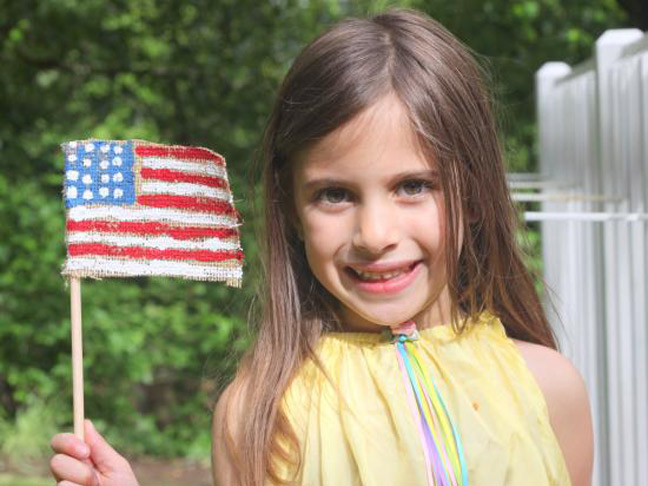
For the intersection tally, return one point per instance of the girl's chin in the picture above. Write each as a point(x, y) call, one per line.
point(376, 322)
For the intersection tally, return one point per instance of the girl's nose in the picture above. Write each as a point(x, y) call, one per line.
point(376, 229)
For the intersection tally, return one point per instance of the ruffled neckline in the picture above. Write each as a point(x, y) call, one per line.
point(439, 333)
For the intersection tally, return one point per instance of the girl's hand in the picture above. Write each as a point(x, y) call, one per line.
point(90, 463)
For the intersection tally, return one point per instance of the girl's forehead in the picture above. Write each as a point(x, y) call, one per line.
point(379, 136)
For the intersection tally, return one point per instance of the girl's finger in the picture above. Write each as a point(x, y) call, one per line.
point(71, 445)
point(106, 459)
point(67, 483)
point(66, 468)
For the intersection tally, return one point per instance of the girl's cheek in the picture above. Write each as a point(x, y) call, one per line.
point(326, 226)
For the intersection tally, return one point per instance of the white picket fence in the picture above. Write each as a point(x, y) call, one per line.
point(593, 146)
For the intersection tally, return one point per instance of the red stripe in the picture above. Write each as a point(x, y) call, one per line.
point(78, 249)
point(184, 202)
point(175, 176)
point(152, 229)
point(186, 153)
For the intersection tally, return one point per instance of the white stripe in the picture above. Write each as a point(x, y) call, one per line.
point(97, 266)
point(119, 213)
point(183, 189)
point(205, 169)
point(158, 242)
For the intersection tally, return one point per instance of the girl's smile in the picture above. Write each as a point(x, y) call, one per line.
point(391, 279)
point(371, 212)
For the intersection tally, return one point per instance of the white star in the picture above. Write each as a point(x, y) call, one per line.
point(103, 191)
point(87, 179)
point(72, 175)
point(89, 147)
point(71, 192)
point(105, 148)
point(118, 177)
point(72, 158)
point(87, 194)
point(105, 178)
point(87, 162)
point(118, 193)
point(104, 164)
point(118, 149)
point(117, 161)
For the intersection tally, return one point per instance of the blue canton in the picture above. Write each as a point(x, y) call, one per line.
point(99, 172)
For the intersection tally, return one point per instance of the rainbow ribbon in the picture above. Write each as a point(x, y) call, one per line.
point(442, 447)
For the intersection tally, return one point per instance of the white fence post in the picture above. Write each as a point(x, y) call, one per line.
point(568, 134)
point(593, 138)
point(622, 439)
point(549, 126)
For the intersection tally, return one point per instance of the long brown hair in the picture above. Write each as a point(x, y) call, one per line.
point(335, 77)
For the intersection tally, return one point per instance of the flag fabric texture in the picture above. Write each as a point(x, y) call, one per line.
point(136, 208)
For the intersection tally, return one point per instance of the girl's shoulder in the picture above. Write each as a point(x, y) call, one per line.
point(568, 405)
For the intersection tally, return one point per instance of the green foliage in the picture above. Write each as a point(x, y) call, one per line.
point(26, 439)
point(200, 73)
point(529, 242)
point(11, 480)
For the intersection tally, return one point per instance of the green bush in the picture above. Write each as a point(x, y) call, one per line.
point(26, 440)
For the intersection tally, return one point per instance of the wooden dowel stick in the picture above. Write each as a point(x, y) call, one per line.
point(77, 356)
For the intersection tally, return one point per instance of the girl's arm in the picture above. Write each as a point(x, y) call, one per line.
point(226, 411)
point(569, 408)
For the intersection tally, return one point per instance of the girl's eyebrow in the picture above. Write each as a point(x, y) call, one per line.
point(322, 182)
point(329, 181)
point(432, 173)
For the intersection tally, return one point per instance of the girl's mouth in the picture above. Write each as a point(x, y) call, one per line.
point(380, 276)
point(385, 282)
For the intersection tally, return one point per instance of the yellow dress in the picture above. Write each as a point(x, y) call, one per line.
point(367, 435)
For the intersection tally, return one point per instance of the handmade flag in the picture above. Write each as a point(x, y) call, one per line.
point(135, 208)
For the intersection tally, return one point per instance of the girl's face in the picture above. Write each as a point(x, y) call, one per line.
point(371, 212)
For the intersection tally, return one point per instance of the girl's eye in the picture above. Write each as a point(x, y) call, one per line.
point(332, 195)
point(415, 187)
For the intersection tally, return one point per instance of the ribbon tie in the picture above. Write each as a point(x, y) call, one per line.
point(442, 447)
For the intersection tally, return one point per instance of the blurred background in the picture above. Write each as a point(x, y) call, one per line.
point(156, 351)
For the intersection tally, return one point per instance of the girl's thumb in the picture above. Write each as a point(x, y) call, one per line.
point(105, 458)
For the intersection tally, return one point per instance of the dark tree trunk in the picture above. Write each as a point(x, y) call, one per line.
point(637, 11)
point(6, 398)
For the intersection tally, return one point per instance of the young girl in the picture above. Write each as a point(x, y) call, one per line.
point(402, 341)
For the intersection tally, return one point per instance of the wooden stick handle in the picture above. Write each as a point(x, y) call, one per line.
point(77, 356)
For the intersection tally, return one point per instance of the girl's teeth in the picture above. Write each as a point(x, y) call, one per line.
point(378, 276)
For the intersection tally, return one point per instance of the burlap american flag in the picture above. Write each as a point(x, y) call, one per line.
point(136, 208)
